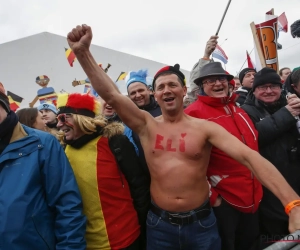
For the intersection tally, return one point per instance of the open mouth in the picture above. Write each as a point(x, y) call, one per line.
point(108, 108)
point(218, 90)
point(66, 130)
point(169, 99)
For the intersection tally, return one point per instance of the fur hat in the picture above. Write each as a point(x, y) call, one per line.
point(4, 101)
point(171, 69)
point(48, 106)
point(139, 76)
point(81, 104)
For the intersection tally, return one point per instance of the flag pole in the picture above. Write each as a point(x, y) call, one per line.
point(224, 14)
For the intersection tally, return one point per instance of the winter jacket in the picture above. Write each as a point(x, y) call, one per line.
point(242, 93)
point(112, 221)
point(279, 142)
point(228, 178)
point(40, 204)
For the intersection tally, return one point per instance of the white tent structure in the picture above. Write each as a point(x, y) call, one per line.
point(22, 60)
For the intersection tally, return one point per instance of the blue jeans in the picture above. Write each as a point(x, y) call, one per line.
point(201, 234)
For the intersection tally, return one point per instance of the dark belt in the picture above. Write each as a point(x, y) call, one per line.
point(182, 218)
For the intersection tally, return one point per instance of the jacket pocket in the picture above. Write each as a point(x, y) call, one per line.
point(40, 227)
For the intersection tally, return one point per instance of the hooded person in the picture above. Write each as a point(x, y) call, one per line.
point(235, 193)
point(50, 211)
point(103, 186)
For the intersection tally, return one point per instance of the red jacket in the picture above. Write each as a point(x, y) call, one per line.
point(231, 180)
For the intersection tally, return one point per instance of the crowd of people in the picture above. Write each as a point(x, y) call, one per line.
point(214, 168)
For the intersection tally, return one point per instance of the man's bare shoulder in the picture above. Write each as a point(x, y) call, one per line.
point(197, 121)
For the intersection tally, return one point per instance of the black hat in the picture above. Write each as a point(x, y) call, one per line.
point(244, 72)
point(172, 69)
point(212, 69)
point(264, 76)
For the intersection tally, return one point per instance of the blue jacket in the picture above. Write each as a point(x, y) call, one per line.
point(40, 204)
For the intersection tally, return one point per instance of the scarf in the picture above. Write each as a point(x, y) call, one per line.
point(52, 125)
point(80, 142)
point(271, 108)
point(6, 129)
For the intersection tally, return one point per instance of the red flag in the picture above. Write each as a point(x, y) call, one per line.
point(250, 63)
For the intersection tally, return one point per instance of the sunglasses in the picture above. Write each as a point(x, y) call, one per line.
point(63, 117)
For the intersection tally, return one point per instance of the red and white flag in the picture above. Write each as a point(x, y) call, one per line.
point(250, 62)
point(282, 23)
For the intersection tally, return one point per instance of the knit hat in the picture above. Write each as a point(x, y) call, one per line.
point(81, 104)
point(171, 69)
point(4, 101)
point(48, 106)
point(264, 76)
point(231, 82)
point(139, 76)
point(244, 72)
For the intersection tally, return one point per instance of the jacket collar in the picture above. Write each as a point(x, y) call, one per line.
point(18, 133)
point(152, 105)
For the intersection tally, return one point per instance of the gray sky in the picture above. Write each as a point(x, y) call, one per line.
point(165, 31)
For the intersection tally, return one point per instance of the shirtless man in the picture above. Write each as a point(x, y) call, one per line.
point(177, 148)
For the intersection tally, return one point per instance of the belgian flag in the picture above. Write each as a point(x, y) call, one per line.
point(14, 100)
point(121, 76)
point(70, 56)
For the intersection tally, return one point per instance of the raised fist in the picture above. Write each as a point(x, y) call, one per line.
point(80, 38)
point(210, 46)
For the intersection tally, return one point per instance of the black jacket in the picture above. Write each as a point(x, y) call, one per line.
point(279, 143)
point(242, 92)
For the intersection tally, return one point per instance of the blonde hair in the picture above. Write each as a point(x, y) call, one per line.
point(88, 125)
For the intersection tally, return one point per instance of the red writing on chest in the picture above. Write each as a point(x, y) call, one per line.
point(168, 145)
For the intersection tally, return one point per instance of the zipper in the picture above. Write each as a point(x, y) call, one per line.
point(244, 141)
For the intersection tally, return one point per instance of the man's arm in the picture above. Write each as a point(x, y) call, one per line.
point(79, 40)
point(265, 172)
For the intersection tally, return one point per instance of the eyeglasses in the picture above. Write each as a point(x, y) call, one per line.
point(272, 87)
point(63, 117)
point(212, 81)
